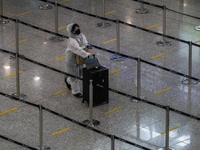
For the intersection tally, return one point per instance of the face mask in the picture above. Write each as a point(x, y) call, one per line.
point(78, 31)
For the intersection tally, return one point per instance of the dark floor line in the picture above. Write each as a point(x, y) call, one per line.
point(18, 143)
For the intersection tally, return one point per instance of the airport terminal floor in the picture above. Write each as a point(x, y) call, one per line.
point(152, 52)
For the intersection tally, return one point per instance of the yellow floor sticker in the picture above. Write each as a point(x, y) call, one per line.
point(22, 14)
point(113, 110)
point(114, 72)
point(157, 56)
point(176, 127)
point(60, 131)
point(197, 41)
point(110, 12)
point(8, 111)
point(60, 92)
point(162, 91)
point(60, 58)
point(153, 26)
point(62, 28)
point(21, 41)
point(109, 41)
point(13, 74)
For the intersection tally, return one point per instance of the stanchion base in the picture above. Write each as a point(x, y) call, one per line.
point(3, 21)
point(186, 81)
point(164, 43)
point(45, 148)
point(94, 122)
point(21, 96)
point(56, 39)
point(197, 28)
point(117, 58)
point(103, 25)
point(134, 100)
point(12, 57)
point(142, 11)
point(45, 7)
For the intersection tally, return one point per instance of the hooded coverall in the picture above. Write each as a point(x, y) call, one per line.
point(75, 45)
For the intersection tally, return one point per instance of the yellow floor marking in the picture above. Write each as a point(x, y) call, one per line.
point(113, 110)
point(197, 41)
point(157, 56)
point(174, 128)
point(116, 71)
point(162, 91)
point(60, 58)
point(62, 28)
point(60, 92)
point(153, 26)
point(110, 12)
point(22, 14)
point(60, 131)
point(13, 74)
point(63, 1)
point(20, 41)
point(109, 41)
point(7, 111)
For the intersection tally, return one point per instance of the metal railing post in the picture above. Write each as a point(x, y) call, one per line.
point(112, 142)
point(142, 10)
point(118, 35)
point(91, 103)
point(17, 65)
point(40, 127)
point(139, 78)
point(91, 122)
point(164, 41)
point(164, 22)
point(188, 80)
point(1, 7)
point(17, 58)
point(2, 21)
point(190, 63)
point(117, 57)
point(104, 11)
point(167, 129)
point(103, 24)
point(56, 16)
point(56, 38)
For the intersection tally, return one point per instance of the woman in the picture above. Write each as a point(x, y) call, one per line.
point(76, 44)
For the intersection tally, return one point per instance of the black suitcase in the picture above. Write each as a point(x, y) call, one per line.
point(100, 85)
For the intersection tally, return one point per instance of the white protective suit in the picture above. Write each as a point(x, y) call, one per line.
point(75, 45)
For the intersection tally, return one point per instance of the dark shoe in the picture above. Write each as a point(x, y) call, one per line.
point(68, 85)
point(78, 95)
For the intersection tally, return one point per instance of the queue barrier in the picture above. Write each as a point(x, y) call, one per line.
point(110, 51)
point(167, 108)
point(117, 21)
point(41, 109)
point(158, 6)
point(122, 22)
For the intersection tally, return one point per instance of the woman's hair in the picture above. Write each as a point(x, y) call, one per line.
point(74, 26)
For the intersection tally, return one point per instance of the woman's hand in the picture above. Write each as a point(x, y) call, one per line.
point(90, 55)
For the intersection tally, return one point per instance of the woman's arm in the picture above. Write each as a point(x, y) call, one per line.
point(75, 48)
